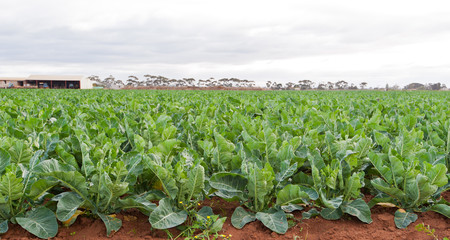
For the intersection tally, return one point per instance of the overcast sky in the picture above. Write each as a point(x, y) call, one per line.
point(379, 42)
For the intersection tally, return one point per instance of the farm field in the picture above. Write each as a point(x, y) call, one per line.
point(206, 163)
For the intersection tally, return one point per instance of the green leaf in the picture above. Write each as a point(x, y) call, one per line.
point(359, 209)
point(66, 157)
point(291, 194)
point(353, 186)
point(11, 186)
point(164, 217)
point(67, 206)
point(228, 184)
point(72, 180)
point(40, 187)
point(260, 184)
point(330, 203)
point(443, 209)
point(382, 140)
point(223, 153)
point(218, 224)
point(311, 213)
point(3, 226)
point(274, 219)
point(436, 140)
point(397, 169)
point(137, 202)
point(205, 212)
point(382, 186)
point(286, 171)
point(331, 214)
point(87, 165)
point(241, 217)
point(378, 163)
point(41, 222)
point(167, 181)
point(111, 223)
point(291, 207)
point(195, 184)
point(5, 160)
point(402, 218)
point(437, 174)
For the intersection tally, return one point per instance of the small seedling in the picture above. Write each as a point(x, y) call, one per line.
point(428, 230)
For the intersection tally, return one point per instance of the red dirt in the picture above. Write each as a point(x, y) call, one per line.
point(136, 226)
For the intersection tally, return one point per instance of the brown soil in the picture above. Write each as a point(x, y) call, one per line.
point(136, 226)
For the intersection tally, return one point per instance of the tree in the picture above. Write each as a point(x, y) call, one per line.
point(362, 85)
point(322, 86)
point(330, 85)
point(306, 84)
point(341, 84)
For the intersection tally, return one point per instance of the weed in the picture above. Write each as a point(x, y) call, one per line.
point(428, 230)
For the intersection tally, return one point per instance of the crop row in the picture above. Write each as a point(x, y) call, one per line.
point(66, 153)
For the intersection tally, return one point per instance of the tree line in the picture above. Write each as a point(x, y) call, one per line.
point(160, 81)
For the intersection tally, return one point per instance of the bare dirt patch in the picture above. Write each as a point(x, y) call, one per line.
point(136, 226)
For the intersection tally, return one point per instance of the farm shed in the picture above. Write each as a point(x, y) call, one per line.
point(48, 81)
point(7, 81)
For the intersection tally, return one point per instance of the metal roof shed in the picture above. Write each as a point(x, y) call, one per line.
point(60, 81)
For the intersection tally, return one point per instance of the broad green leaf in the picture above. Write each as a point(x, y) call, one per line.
point(134, 169)
point(164, 217)
point(437, 174)
point(311, 213)
point(286, 171)
point(20, 152)
point(402, 218)
point(274, 219)
point(436, 140)
point(66, 157)
point(260, 183)
point(72, 180)
point(67, 206)
point(291, 194)
point(291, 207)
point(330, 203)
point(111, 223)
point(218, 224)
point(359, 209)
point(11, 186)
point(378, 163)
point(87, 165)
point(3, 226)
point(165, 178)
point(40, 187)
point(52, 165)
point(195, 184)
point(382, 186)
point(353, 186)
point(443, 209)
point(331, 214)
point(241, 217)
point(232, 184)
point(313, 195)
point(136, 202)
point(5, 160)
point(426, 189)
point(397, 169)
point(41, 222)
point(223, 154)
point(205, 212)
point(382, 140)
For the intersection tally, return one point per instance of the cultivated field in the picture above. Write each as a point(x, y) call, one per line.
point(168, 159)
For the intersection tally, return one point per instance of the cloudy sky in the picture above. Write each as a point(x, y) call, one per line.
point(379, 42)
